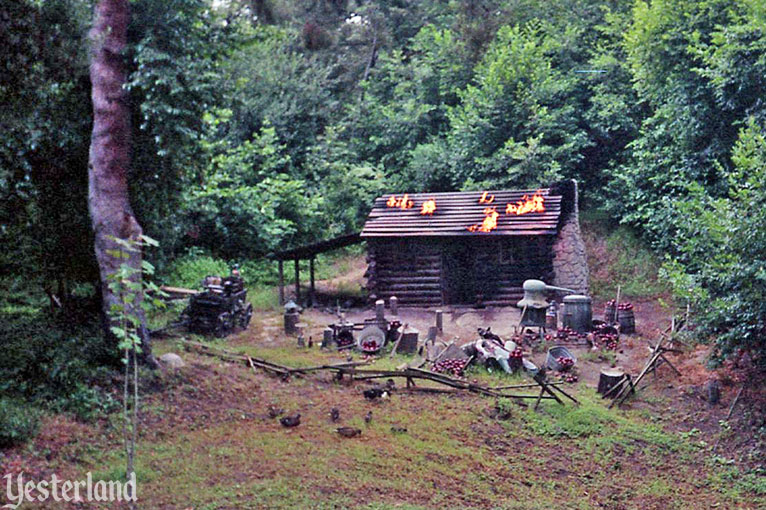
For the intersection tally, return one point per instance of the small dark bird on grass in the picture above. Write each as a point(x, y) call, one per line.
point(275, 411)
point(291, 421)
point(348, 431)
point(334, 414)
point(368, 417)
point(374, 393)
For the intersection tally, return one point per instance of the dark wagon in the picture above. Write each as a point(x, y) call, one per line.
point(220, 308)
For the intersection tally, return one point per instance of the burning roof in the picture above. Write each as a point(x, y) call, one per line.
point(512, 212)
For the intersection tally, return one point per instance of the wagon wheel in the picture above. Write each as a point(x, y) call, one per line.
point(245, 316)
point(223, 325)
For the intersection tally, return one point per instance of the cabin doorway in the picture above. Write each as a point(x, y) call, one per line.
point(459, 273)
point(471, 273)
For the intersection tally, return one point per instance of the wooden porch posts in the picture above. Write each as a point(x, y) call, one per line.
point(297, 280)
point(312, 281)
point(312, 286)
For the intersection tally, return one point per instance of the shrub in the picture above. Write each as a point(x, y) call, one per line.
point(56, 364)
point(87, 403)
point(189, 270)
point(720, 269)
point(18, 422)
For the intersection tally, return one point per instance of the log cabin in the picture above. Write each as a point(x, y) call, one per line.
point(473, 248)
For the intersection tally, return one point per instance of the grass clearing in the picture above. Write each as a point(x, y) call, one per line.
point(210, 445)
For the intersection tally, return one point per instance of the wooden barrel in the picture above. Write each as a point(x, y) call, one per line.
point(578, 314)
point(609, 314)
point(627, 321)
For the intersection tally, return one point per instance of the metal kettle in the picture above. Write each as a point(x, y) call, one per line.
point(534, 294)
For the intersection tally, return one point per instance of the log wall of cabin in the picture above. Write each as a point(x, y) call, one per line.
point(514, 260)
point(409, 269)
point(417, 270)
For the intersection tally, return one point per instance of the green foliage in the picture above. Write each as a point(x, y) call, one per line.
point(685, 136)
point(516, 127)
point(45, 124)
point(259, 126)
point(720, 268)
point(246, 203)
point(190, 269)
point(18, 422)
point(175, 54)
point(48, 361)
point(87, 403)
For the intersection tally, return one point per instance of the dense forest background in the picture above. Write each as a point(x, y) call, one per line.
point(265, 124)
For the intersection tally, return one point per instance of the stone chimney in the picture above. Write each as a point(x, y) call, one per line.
point(570, 266)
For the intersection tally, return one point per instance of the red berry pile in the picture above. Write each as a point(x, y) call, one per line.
point(604, 337)
point(568, 334)
point(370, 346)
point(454, 366)
point(569, 377)
point(344, 340)
point(517, 353)
point(565, 363)
point(625, 305)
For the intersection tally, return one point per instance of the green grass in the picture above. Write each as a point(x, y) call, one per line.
point(263, 298)
point(599, 357)
point(453, 456)
point(438, 463)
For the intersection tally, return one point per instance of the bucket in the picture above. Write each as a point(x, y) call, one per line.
point(556, 352)
point(627, 321)
point(577, 313)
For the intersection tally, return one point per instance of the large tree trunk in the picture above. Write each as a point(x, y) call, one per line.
point(109, 159)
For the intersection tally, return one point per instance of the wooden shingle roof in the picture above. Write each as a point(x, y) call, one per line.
point(457, 211)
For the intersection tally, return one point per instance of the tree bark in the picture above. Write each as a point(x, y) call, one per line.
point(109, 157)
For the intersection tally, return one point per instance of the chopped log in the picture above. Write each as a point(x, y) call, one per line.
point(608, 379)
point(626, 389)
point(616, 387)
point(178, 292)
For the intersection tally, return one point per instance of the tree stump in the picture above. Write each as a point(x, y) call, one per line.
point(609, 378)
